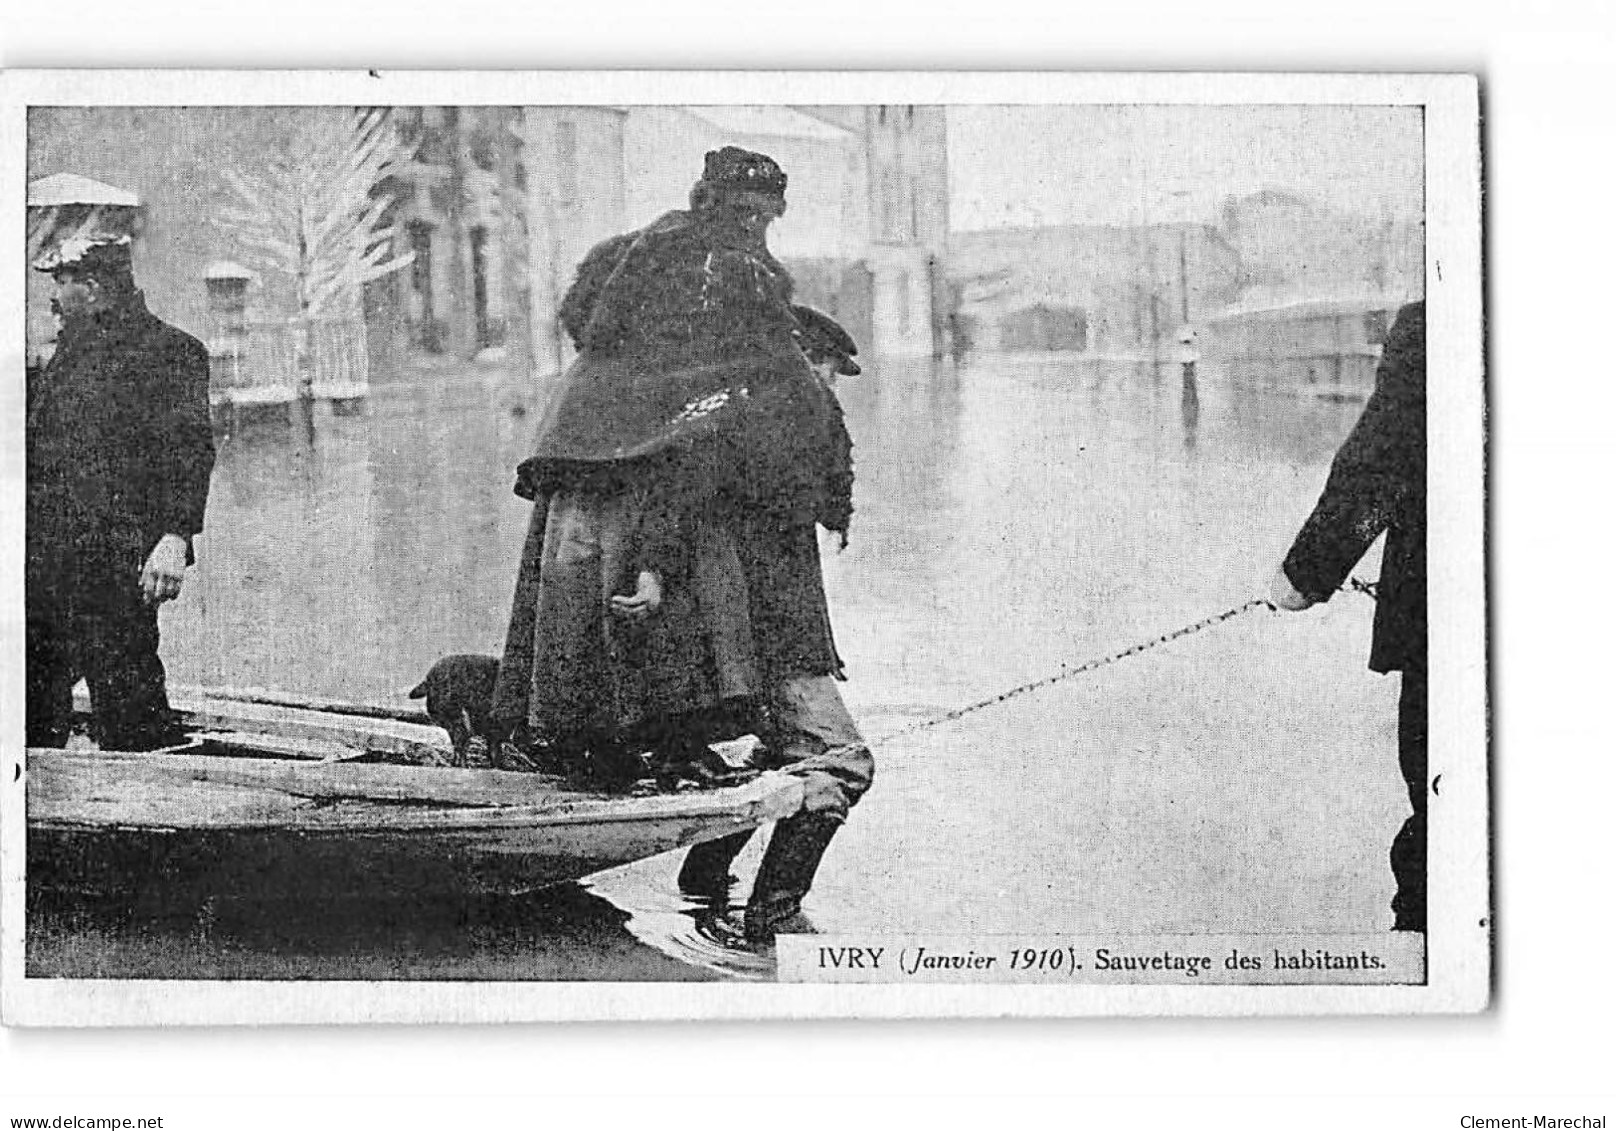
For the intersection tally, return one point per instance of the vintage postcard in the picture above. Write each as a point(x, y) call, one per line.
point(506, 546)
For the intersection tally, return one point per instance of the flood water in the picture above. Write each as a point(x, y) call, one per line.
point(1019, 515)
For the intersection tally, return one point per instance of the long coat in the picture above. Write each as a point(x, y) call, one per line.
point(569, 667)
point(120, 447)
point(1377, 484)
point(690, 386)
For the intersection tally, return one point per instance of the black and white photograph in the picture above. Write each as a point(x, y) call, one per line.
point(541, 546)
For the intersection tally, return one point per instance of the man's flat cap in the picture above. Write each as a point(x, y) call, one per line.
point(89, 255)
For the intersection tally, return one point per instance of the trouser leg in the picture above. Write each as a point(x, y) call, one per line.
point(811, 735)
point(1408, 848)
point(816, 738)
point(48, 665)
point(117, 636)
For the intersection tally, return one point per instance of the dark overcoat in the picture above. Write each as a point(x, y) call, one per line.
point(120, 446)
point(1376, 485)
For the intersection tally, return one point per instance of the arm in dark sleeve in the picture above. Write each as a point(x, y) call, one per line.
point(1382, 460)
point(184, 437)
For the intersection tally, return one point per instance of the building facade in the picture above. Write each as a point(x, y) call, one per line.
point(1277, 277)
point(905, 224)
point(489, 210)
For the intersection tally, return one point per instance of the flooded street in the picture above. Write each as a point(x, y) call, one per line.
point(1019, 516)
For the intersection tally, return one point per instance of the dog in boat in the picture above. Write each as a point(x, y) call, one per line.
point(459, 694)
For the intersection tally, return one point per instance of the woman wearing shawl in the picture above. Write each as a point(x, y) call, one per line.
point(630, 618)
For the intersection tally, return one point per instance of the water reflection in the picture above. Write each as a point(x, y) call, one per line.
point(564, 933)
point(1189, 407)
point(347, 565)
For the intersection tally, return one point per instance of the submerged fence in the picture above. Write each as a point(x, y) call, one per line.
point(258, 363)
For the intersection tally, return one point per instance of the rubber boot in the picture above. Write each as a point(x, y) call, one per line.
point(705, 873)
point(786, 874)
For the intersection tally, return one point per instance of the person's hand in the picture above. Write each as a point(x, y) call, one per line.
point(164, 572)
point(645, 601)
point(1285, 595)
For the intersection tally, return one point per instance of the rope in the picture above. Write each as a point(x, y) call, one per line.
point(1369, 589)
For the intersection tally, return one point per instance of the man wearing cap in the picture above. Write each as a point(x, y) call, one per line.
point(810, 732)
point(120, 451)
point(689, 354)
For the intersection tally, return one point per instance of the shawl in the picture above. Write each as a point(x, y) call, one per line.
point(687, 341)
point(688, 334)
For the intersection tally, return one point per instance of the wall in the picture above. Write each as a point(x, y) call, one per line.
point(907, 200)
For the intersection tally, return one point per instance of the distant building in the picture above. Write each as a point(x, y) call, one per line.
point(572, 185)
point(1128, 286)
point(456, 210)
point(1325, 346)
point(1293, 245)
point(1319, 288)
point(1288, 291)
point(1043, 327)
point(906, 193)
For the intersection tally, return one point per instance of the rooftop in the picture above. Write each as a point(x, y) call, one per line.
point(61, 189)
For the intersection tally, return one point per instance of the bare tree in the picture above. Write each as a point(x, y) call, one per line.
point(312, 212)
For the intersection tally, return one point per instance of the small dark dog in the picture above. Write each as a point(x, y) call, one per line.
point(459, 693)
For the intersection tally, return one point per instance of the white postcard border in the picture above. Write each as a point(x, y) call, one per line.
point(1459, 954)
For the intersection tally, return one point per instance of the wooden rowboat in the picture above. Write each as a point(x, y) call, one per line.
point(274, 801)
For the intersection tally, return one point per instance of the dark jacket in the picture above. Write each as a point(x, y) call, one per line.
point(777, 547)
point(1376, 484)
point(120, 447)
point(790, 617)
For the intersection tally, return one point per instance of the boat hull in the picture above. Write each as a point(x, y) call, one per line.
point(307, 811)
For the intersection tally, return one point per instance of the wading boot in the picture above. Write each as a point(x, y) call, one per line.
point(705, 872)
point(786, 874)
